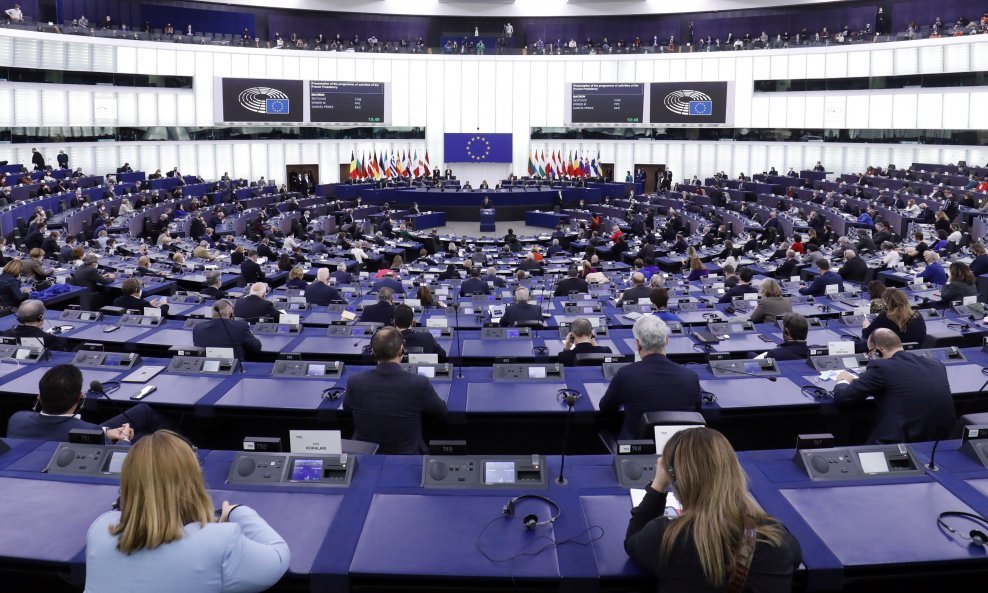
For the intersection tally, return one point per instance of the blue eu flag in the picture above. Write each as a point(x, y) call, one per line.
point(701, 107)
point(277, 106)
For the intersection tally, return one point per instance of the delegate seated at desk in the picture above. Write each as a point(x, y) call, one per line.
point(31, 322)
point(383, 311)
point(581, 339)
point(699, 550)
point(772, 304)
point(474, 284)
point(88, 276)
point(740, 289)
point(253, 306)
point(131, 300)
point(223, 331)
point(911, 391)
point(341, 275)
point(795, 329)
point(899, 317)
point(521, 311)
point(423, 341)
point(212, 290)
point(61, 398)
point(819, 285)
point(653, 384)
point(389, 403)
point(571, 284)
point(319, 292)
point(176, 544)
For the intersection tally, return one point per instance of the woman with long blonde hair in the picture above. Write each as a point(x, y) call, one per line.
point(899, 317)
point(701, 550)
point(165, 538)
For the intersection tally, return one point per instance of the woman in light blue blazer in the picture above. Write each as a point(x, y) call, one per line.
point(165, 539)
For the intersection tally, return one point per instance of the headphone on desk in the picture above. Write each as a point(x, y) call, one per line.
point(531, 521)
point(333, 393)
point(976, 537)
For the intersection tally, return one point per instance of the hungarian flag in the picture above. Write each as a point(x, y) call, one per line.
point(542, 164)
point(353, 166)
point(531, 165)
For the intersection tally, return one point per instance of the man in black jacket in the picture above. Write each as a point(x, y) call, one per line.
point(794, 331)
point(854, 269)
point(521, 310)
point(212, 290)
point(319, 292)
point(913, 397)
point(31, 321)
point(88, 276)
point(635, 385)
point(423, 340)
point(637, 291)
point(254, 306)
point(388, 403)
point(740, 289)
point(474, 284)
point(572, 283)
point(580, 340)
point(130, 298)
point(223, 331)
point(251, 270)
point(383, 311)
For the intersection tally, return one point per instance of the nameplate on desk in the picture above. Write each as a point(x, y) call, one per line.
point(307, 369)
point(431, 371)
point(821, 360)
point(765, 367)
point(504, 333)
point(108, 360)
point(291, 469)
point(528, 372)
point(78, 315)
point(275, 329)
point(488, 471)
point(975, 443)
point(140, 320)
point(857, 463)
point(203, 365)
point(76, 459)
point(22, 352)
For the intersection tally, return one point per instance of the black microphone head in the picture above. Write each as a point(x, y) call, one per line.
point(772, 379)
point(96, 387)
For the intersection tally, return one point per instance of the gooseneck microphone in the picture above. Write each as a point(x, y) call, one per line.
point(98, 388)
point(569, 397)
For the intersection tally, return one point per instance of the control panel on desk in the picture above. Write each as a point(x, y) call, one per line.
point(295, 469)
point(474, 471)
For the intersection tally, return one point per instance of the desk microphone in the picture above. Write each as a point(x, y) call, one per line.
point(97, 388)
point(459, 340)
point(932, 466)
point(569, 397)
point(740, 372)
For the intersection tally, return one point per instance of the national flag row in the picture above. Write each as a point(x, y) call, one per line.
point(387, 166)
point(555, 164)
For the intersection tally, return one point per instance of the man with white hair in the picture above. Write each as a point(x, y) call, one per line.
point(854, 269)
point(637, 291)
point(637, 385)
point(521, 310)
point(342, 275)
point(319, 292)
point(254, 306)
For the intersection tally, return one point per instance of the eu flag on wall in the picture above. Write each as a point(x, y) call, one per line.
point(478, 148)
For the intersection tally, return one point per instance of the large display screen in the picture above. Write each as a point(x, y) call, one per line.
point(688, 103)
point(607, 103)
point(347, 102)
point(262, 100)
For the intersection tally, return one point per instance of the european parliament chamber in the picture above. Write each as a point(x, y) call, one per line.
point(448, 295)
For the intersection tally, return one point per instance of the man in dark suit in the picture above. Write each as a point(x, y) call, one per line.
point(637, 291)
point(88, 276)
point(865, 243)
point(424, 341)
point(31, 322)
point(254, 306)
point(581, 339)
point(635, 386)
point(492, 277)
point(390, 281)
point(341, 275)
point(530, 264)
point(819, 285)
point(214, 279)
point(61, 398)
point(913, 396)
point(383, 311)
point(572, 283)
point(50, 244)
point(787, 269)
point(264, 250)
point(740, 289)
point(36, 238)
point(251, 270)
point(521, 310)
point(473, 284)
point(63, 160)
point(223, 331)
point(130, 298)
point(854, 269)
point(38, 159)
point(794, 332)
point(388, 404)
point(319, 292)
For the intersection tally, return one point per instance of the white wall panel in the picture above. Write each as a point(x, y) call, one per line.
point(6, 107)
point(417, 97)
point(291, 68)
point(797, 66)
point(452, 89)
point(185, 109)
point(644, 71)
point(760, 109)
point(904, 111)
point(206, 160)
point(906, 60)
point(625, 70)
point(167, 109)
point(711, 69)
point(979, 56)
point(762, 67)
point(880, 111)
point(608, 70)
point(166, 62)
point(79, 56)
point(677, 70)
point(555, 95)
point(814, 111)
point(836, 65)
point(779, 67)
point(795, 115)
point(857, 111)
point(54, 107)
point(882, 62)
point(502, 93)
point(979, 111)
point(26, 102)
point(538, 93)
point(930, 59)
point(662, 73)
point(956, 58)
point(694, 69)
point(955, 110)
point(53, 55)
point(469, 96)
point(521, 114)
point(929, 112)
point(777, 110)
point(744, 104)
point(858, 64)
point(329, 69)
point(147, 60)
point(147, 109)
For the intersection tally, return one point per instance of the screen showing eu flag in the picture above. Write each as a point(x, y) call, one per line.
point(256, 100)
point(477, 148)
point(688, 103)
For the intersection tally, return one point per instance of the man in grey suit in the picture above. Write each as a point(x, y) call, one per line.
point(389, 403)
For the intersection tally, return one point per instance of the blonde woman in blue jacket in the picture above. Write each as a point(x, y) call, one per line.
point(165, 538)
